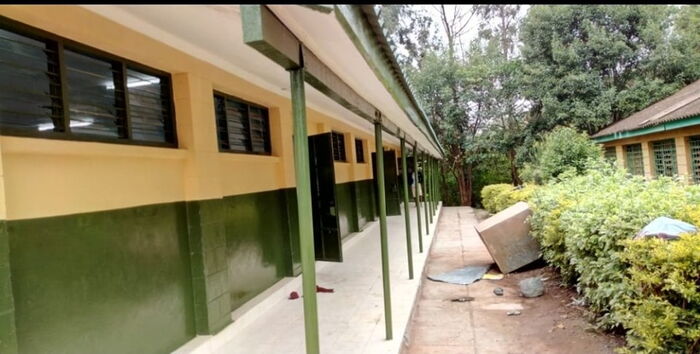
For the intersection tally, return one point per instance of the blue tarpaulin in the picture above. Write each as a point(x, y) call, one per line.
point(665, 228)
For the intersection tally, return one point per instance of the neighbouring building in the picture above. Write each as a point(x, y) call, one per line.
point(147, 166)
point(660, 140)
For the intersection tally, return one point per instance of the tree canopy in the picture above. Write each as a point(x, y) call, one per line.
point(526, 73)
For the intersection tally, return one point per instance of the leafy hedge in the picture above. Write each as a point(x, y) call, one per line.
point(584, 225)
point(496, 197)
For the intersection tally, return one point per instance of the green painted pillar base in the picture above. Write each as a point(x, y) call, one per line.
point(8, 332)
point(207, 240)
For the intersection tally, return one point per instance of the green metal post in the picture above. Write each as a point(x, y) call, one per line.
point(425, 194)
point(432, 185)
point(404, 173)
point(382, 228)
point(416, 198)
point(430, 192)
point(429, 170)
point(306, 232)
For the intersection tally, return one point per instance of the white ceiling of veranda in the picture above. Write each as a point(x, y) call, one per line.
point(213, 33)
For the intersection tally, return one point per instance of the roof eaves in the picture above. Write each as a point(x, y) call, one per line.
point(361, 20)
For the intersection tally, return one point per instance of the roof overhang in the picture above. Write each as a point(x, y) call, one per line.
point(671, 125)
point(214, 33)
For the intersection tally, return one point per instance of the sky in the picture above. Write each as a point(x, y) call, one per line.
point(472, 29)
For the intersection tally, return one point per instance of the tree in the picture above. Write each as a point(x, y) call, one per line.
point(410, 33)
point(560, 150)
point(499, 31)
point(589, 65)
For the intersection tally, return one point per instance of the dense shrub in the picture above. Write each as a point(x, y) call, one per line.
point(584, 225)
point(662, 313)
point(496, 197)
point(560, 150)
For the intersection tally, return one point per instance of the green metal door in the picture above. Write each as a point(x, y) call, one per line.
point(391, 182)
point(327, 243)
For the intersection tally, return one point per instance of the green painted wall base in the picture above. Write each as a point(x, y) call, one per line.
point(148, 279)
point(8, 333)
point(106, 282)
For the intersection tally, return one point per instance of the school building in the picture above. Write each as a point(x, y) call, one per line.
point(162, 165)
point(660, 140)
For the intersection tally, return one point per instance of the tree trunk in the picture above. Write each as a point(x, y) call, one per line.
point(464, 191)
point(468, 184)
point(514, 175)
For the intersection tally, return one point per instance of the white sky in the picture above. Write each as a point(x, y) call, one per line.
point(473, 27)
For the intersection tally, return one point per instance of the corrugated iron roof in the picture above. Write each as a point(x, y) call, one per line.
point(683, 104)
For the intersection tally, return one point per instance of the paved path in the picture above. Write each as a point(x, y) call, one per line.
point(547, 324)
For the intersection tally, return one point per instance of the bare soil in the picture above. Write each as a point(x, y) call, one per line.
point(546, 324)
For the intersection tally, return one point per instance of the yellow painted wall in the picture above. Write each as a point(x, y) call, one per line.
point(42, 177)
point(680, 136)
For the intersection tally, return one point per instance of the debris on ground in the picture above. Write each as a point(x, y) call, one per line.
point(513, 313)
point(492, 276)
point(320, 289)
point(462, 276)
point(665, 229)
point(578, 302)
point(531, 287)
point(463, 299)
point(507, 238)
point(293, 295)
point(498, 291)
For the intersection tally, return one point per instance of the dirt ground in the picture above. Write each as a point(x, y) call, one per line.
point(546, 324)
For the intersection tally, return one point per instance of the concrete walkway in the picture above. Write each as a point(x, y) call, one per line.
point(351, 320)
point(547, 324)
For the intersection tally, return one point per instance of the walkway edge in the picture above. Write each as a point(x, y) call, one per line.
point(405, 340)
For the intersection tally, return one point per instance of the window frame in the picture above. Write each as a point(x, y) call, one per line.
point(63, 43)
point(628, 158)
point(345, 152)
point(249, 104)
point(610, 153)
point(362, 146)
point(694, 166)
point(672, 143)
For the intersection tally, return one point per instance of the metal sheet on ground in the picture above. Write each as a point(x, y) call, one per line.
point(462, 276)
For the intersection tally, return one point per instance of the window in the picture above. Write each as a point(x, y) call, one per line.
point(694, 142)
point(338, 146)
point(610, 153)
point(635, 160)
point(241, 126)
point(665, 157)
point(359, 151)
point(55, 88)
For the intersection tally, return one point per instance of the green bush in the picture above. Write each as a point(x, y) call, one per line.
point(489, 194)
point(496, 197)
point(584, 223)
point(560, 150)
point(662, 313)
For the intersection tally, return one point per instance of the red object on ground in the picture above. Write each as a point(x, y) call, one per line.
point(293, 295)
point(323, 290)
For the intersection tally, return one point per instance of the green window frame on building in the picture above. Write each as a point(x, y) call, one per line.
point(241, 126)
point(59, 89)
point(339, 147)
point(665, 163)
point(359, 151)
point(635, 159)
point(694, 144)
point(611, 153)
